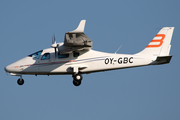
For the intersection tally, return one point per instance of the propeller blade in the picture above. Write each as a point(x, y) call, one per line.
point(54, 45)
point(54, 38)
point(55, 52)
point(52, 41)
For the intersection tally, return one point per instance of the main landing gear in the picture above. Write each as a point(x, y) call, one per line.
point(77, 79)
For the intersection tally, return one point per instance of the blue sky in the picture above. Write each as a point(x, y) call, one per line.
point(144, 93)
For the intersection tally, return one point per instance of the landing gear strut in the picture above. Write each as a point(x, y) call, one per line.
point(20, 81)
point(77, 79)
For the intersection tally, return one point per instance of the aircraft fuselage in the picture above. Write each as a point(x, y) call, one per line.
point(87, 62)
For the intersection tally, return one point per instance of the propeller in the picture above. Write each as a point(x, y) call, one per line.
point(54, 44)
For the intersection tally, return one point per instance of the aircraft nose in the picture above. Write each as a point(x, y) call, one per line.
point(8, 68)
point(11, 68)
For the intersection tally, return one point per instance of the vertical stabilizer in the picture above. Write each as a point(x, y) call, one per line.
point(161, 43)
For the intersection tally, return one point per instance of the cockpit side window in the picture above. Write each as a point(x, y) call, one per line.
point(46, 56)
point(36, 54)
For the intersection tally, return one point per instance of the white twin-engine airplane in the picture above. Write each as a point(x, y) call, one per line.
point(76, 57)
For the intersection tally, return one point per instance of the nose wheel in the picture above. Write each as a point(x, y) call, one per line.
point(77, 79)
point(20, 81)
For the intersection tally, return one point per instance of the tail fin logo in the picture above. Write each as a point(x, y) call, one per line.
point(157, 41)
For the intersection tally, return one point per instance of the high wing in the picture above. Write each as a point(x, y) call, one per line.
point(76, 40)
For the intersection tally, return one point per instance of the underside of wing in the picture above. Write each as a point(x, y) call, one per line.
point(68, 49)
point(76, 40)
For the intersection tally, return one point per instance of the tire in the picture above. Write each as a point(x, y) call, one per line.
point(78, 77)
point(76, 83)
point(20, 81)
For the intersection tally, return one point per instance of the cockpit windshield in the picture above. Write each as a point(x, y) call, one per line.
point(36, 54)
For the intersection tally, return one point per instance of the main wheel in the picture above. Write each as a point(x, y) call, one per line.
point(76, 83)
point(78, 77)
point(20, 81)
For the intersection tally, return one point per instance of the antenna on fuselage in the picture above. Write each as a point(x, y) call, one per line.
point(54, 44)
point(118, 49)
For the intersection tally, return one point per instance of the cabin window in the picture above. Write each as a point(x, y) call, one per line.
point(36, 54)
point(75, 54)
point(46, 56)
point(63, 55)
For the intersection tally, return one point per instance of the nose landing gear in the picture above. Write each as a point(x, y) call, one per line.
point(20, 81)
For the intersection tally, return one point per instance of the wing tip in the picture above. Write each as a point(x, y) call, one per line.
point(80, 28)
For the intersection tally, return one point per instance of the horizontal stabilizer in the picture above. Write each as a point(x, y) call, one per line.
point(162, 60)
